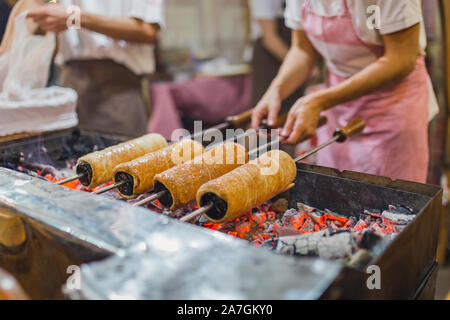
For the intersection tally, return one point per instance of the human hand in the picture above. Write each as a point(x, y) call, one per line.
point(51, 18)
point(303, 119)
point(269, 106)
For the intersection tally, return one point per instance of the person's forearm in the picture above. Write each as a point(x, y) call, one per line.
point(276, 46)
point(7, 38)
point(128, 29)
point(399, 61)
point(20, 6)
point(380, 74)
point(271, 38)
point(294, 72)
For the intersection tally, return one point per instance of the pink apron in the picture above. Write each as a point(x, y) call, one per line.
point(395, 140)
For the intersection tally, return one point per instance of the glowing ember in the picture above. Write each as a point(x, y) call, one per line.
point(264, 226)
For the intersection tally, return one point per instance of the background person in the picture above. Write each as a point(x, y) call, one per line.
point(377, 75)
point(107, 59)
point(272, 42)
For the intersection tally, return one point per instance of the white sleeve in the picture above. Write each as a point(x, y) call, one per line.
point(4, 65)
point(265, 9)
point(293, 14)
point(397, 15)
point(151, 11)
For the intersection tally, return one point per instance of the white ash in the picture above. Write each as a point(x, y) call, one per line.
point(303, 245)
point(337, 246)
point(305, 208)
point(398, 218)
point(290, 213)
point(324, 244)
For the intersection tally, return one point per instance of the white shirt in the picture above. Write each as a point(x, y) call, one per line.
point(84, 44)
point(264, 10)
point(395, 15)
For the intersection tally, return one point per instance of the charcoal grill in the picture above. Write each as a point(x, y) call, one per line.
point(55, 227)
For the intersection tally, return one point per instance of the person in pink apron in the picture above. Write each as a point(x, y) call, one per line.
point(374, 52)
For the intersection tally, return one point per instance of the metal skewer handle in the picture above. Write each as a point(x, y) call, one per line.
point(233, 121)
point(340, 135)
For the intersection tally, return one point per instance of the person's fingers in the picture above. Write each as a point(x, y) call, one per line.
point(297, 133)
point(258, 115)
point(289, 125)
point(52, 28)
point(274, 109)
point(33, 14)
point(37, 13)
point(40, 20)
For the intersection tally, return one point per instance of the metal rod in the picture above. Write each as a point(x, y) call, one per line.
point(218, 127)
point(106, 189)
point(233, 138)
point(326, 144)
point(197, 212)
point(152, 198)
point(264, 147)
point(62, 182)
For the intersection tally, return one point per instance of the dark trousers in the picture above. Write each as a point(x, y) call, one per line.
point(110, 97)
point(265, 67)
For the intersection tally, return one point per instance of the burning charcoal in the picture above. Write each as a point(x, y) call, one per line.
point(337, 245)
point(289, 217)
point(304, 208)
point(43, 169)
point(361, 225)
point(289, 214)
point(334, 214)
point(372, 215)
point(401, 209)
point(335, 226)
point(258, 218)
point(351, 223)
point(302, 245)
point(280, 206)
point(326, 244)
point(308, 226)
point(297, 221)
point(243, 228)
point(370, 240)
point(374, 212)
point(398, 218)
point(378, 229)
point(282, 231)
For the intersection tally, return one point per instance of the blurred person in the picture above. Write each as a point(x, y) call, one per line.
point(5, 10)
point(376, 71)
point(272, 41)
point(106, 57)
point(8, 16)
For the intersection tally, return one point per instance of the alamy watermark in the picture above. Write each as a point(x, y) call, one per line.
point(374, 280)
point(374, 19)
point(74, 280)
point(221, 149)
point(74, 19)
